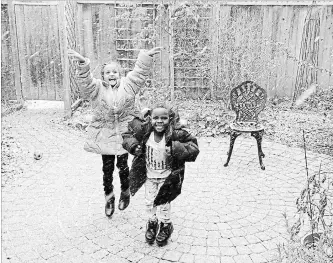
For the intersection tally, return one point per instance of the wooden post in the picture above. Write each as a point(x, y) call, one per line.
point(64, 58)
point(171, 61)
point(14, 43)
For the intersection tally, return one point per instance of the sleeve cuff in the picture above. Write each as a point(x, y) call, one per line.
point(132, 148)
point(85, 63)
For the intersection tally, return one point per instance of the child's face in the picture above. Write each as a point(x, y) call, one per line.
point(111, 74)
point(160, 119)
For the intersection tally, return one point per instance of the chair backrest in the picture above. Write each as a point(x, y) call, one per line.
point(248, 100)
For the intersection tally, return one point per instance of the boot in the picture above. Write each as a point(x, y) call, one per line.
point(151, 231)
point(164, 234)
point(124, 199)
point(109, 205)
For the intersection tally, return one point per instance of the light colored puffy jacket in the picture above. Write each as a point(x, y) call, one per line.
point(114, 107)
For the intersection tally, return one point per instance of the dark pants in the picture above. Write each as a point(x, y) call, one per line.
point(108, 168)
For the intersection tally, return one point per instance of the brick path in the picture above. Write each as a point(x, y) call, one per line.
point(54, 210)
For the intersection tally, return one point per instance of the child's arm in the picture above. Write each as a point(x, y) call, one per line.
point(88, 86)
point(131, 137)
point(136, 78)
point(186, 148)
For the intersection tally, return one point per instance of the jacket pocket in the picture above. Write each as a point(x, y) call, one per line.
point(91, 143)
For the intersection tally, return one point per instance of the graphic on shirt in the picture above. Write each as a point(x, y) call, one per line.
point(157, 158)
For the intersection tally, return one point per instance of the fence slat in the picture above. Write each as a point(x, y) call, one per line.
point(57, 59)
point(64, 56)
point(325, 40)
point(14, 41)
point(19, 12)
point(88, 39)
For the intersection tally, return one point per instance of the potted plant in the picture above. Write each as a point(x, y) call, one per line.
point(314, 210)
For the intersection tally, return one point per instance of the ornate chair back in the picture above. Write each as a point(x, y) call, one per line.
point(248, 100)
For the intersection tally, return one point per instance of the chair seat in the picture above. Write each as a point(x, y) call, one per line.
point(246, 126)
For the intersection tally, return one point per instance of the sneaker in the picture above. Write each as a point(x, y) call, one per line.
point(109, 205)
point(151, 231)
point(164, 234)
point(124, 200)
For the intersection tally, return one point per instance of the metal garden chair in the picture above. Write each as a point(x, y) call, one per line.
point(247, 100)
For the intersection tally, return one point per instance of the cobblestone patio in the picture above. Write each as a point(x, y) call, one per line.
point(54, 210)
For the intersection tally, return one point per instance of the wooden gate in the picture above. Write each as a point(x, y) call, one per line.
point(37, 32)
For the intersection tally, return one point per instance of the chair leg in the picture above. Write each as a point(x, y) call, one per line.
point(258, 136)
point(233, 136)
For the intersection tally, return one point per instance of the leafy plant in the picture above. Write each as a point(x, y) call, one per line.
point(311, 204)
point(313, 200)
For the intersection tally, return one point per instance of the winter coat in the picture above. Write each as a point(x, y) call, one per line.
point(114, 107)
point(184, 148)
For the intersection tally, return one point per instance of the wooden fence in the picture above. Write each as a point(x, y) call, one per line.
point(207, 49)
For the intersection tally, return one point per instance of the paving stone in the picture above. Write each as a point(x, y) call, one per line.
point(187, 258)
point(198, 250)
point(199, 242)
point(88, 247)
point(210, 259)
point(100, 254)
point(239, 241)
point(253, 239)
point(228, 251)
point(258, 258)
point(183, 248)
point(243, 250)
point(113, 258)
point(257, 248)
point(214, 251)
point(28, 256)
point(149, 259)
point(243, 259)
point(225, 242)
point(173, 256)
point(135, 257)
point(227, 260)
point(212, 242)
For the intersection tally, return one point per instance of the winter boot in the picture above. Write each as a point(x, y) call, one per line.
point(109, 205)
point(164, 233)
point(124, 199)
point(151, 231)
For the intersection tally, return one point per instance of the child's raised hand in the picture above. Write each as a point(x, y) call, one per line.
point(154, 51)
point(75, 55)
point(138, 150)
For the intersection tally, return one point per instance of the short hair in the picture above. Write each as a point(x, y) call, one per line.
point(120, 69)
point(172, 111)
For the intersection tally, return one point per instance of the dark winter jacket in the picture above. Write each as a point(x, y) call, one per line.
point(184, 148)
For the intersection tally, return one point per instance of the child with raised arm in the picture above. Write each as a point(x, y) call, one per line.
point(161, 148)
point(113, 102)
